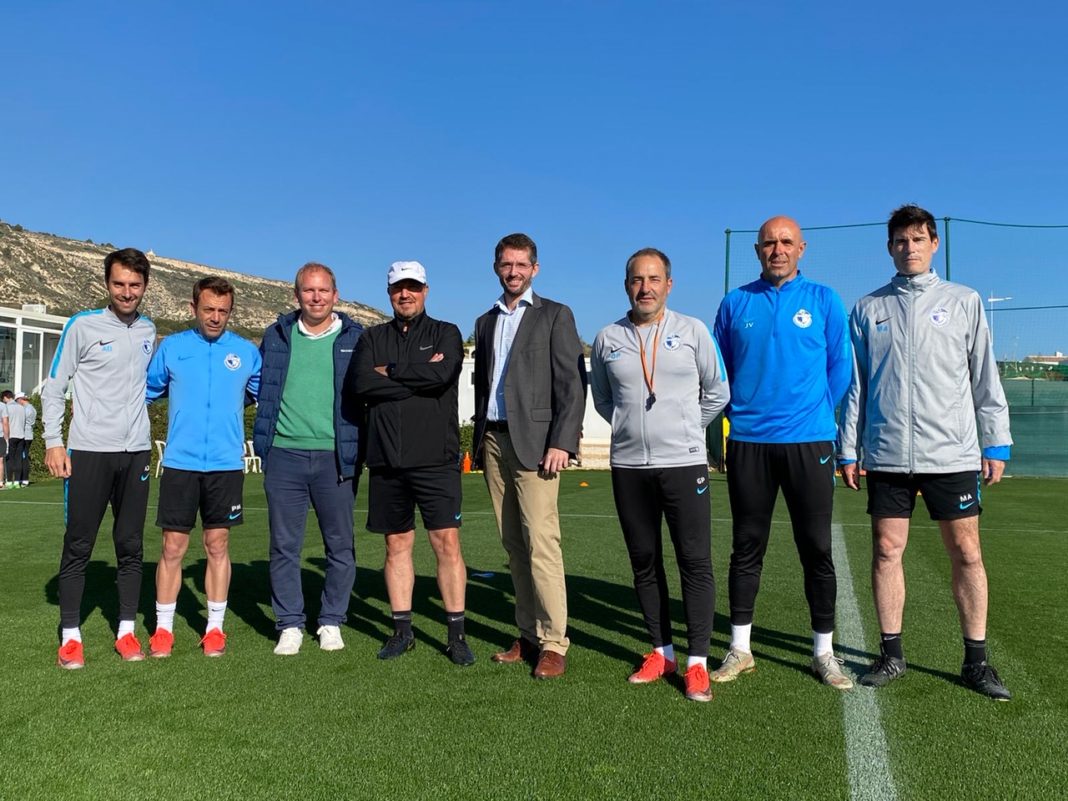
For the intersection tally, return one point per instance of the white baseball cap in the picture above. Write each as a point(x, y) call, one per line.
point(406, 271)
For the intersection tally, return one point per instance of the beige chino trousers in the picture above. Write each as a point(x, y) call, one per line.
point(525, 504)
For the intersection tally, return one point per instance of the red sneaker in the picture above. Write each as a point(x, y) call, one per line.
point(71, 655)
point(654, 666)
point(160, 644)
point(214, 643)
point(697, 685)
point(129, 648)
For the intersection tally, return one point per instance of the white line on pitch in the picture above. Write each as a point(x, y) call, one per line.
point(870, 778)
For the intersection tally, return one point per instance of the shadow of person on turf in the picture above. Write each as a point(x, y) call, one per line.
point(100, 592)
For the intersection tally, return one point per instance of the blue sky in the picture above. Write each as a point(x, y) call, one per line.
point(258, 136)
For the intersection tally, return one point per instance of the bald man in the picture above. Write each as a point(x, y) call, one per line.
point(786, 346)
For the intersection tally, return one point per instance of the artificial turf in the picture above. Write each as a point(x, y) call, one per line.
point(345, 725)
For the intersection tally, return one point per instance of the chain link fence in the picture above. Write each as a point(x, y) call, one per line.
point(1014, 269)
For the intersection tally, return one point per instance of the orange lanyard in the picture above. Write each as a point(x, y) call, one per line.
point(649, 374)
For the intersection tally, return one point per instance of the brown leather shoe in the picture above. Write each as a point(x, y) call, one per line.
point(521, 651)
point(551, 665)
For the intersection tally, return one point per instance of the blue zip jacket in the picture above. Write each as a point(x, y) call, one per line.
point(789, 360)
point(275, 350)
point(207, 382)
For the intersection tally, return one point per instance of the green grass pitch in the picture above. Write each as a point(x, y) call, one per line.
point(346, 726)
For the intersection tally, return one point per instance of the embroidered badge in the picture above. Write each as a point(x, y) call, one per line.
point(672, 341)
point(232, 361)
point(940, 316)
point(803, 319)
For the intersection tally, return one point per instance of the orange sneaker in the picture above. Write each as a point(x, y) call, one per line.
point(653, 668)
point(71, 655)
point(160, 644)
point(214, 643)
point(129, 648)
point(698, 687)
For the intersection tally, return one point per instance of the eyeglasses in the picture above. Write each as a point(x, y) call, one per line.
point(517, 265)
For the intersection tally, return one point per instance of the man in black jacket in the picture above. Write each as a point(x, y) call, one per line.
point(407, 372)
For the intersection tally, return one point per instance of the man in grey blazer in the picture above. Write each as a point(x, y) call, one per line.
point(530, 397)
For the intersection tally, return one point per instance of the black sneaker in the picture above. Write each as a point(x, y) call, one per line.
point(883, 671)
point(396, 645)
point(460, 652)
point(982, 678)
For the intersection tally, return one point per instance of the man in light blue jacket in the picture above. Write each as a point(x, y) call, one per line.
point(210, 374)
point(925, 372)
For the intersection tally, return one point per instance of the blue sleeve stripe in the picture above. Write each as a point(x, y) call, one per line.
point(999, 452)
point(63, 339)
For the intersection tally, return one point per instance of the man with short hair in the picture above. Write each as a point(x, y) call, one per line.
point(657, 378)
point(785, 342)
point(925, 373)
point(530, 397)
point(209, 374)
point(27, 436)
point(306, 433)
point(13, 419)
point(103, 356)
point(407, 372)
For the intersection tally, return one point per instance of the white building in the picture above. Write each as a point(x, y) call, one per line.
point(29, 338)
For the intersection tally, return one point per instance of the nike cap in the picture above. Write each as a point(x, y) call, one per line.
point(406, 271)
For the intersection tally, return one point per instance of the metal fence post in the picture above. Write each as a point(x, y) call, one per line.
point(727, 265)
point(946, 226)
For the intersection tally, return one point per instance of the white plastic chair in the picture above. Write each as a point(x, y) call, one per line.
point(253, 463)
point(160, 446)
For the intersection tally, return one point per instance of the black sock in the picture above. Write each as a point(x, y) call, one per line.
point(891, 645)
point(455, 620)
point(402, 624)
point(974, 651)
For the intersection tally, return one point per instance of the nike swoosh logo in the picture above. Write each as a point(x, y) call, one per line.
point(964, 506)
point(144, 476)
point(825, 459)
point(458, 516)
point(425, 347)
point(702, 490)
point(185, 356)
point(234, 516)
point(880, 322)
point(617, 348)
point(104, 342)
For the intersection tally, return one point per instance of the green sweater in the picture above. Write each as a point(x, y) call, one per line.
point(306, 414)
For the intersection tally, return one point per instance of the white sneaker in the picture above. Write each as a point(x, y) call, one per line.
point(828, 668)
point(330, 638)
point(289, 642)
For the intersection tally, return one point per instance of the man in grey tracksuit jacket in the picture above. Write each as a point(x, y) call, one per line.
point(924, 374)
point(658, 378)
point(103, 357)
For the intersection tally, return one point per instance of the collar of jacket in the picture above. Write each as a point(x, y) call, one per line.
point(535, 301)
point(916, 283)
point(413, 323)
point(286, 321)
point(795, 282)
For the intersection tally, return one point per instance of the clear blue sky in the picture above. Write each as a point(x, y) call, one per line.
point(258, 136)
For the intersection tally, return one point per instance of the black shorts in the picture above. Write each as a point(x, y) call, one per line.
point(216, 494)
point(393, 495)
point(948, 496)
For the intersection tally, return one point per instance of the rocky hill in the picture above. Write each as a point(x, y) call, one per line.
point(66, 275)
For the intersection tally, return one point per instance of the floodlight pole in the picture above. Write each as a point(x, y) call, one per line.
point(992, 300)
point(727, 265)
point(945, 226)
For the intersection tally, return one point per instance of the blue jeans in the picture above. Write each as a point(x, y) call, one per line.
point(292, 480)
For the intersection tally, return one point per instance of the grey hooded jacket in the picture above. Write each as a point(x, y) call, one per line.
point(105, 361)
point(924, 372)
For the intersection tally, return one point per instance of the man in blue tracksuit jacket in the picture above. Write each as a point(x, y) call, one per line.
point(785, 342)
point(209, 374)
point(306, 432)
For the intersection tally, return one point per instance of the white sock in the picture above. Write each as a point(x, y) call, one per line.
point(666, 651)
point(822, 642)
point(696, 660)
point(740, 637)
point(71, 634)
point(216, 613)
point(125, 627)
point(165, 616)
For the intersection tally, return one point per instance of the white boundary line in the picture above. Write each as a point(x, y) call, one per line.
point(870, 778)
